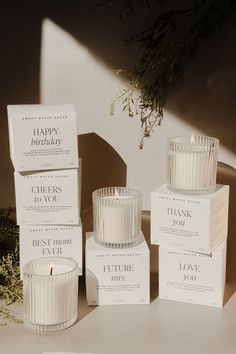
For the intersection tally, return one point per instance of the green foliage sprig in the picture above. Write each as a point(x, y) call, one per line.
point(10, 283)
point(6, 316)
point(164, 49)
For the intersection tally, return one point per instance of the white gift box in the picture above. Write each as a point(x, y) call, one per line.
point(47, 197)
point(117, 276)
point(192, 277)
point(38, 241)
point(194, 222)
point(43, 137)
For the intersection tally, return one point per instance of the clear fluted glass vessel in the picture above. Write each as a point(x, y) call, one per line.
point(117, 216)
point(50, 289)
point(192, 164)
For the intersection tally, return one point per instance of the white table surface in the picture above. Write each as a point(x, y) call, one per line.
point(163, 327)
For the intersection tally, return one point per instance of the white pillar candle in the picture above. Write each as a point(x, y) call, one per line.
point(117, 216)
point(192, 164)
point(50, 293)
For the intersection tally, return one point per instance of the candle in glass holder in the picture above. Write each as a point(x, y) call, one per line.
point(192, 164)
point(50, 288)
point(117, 216)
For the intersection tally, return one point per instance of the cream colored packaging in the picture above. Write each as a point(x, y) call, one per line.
point(117, 276)
point(191, 277)
point(38, 241)
point(194, 222)
point(47, 197)
point(42, 137)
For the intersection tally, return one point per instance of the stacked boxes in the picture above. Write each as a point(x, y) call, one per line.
point(44, 153)
point(117, 276)
point(191, 231)
point(117, 255)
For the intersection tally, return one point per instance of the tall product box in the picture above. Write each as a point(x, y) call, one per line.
point(192, 277)
point(37, 241)
point(47, 197)
point(194, 222)
point(42, 137)
point(117, 276)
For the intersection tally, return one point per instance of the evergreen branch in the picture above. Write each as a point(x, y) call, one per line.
point(164, 49)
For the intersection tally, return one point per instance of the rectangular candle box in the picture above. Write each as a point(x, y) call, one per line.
point(43, 137)
point(117, 276)
point(47, 197)
point(194, 222)
point(191, 277)
point(38, 241)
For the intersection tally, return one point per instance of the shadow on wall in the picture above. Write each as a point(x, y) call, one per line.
point(20, 40)
point(207, 100)
point(227, 175)
point(102, 166)
point(146, 217)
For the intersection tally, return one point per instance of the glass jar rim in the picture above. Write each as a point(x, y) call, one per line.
point(197, 141)
point(28, 267)
point(130, 192)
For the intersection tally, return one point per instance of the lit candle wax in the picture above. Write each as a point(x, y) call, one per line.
point(50, 293)
point(117, 216)
point(192, 164)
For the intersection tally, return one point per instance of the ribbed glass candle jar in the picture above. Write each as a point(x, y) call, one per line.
point(192, 164)
point(117, 216)
point(50, 290)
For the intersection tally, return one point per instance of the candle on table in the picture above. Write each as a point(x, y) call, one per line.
point(117, 216)
point(192, 164)
point(50, 293)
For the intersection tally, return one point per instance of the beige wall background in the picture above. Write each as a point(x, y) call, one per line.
point(69, 53)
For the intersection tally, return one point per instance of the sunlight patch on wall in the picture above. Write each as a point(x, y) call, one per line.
point(71, 73)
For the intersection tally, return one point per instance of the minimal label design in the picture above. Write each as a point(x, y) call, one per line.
point(192, 277)
point(46, 136)
point(198, 223)
point(47, 197)
point(118, 271)
point(115, 276)
point(46, 241)
point(43, 137)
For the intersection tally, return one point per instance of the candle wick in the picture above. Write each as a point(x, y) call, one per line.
point(51, 271)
